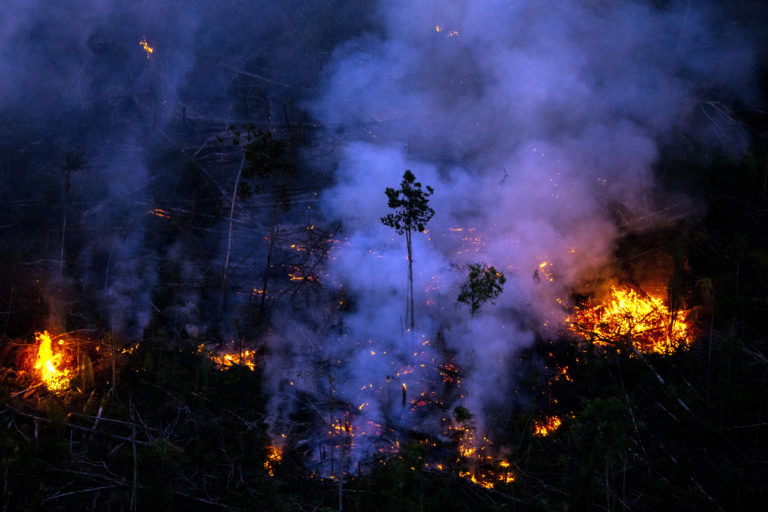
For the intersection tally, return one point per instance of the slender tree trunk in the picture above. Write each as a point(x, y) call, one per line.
point(63, 240)
point(112, 351)
point(64, 229)
point(765, 178)
point(229, 237)
point(272, 236)
point(133, 506)
point(607, 488)
point(10, 311)
point(409, 301)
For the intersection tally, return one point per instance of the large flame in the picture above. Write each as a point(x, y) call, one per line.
point(49, 364)
point(628, 316)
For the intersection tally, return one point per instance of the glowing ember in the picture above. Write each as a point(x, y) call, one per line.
point(628, 316)
point(274, 456)
point(145, 45)
point(547, 426)
point(451, 374)
point(452, 33)
point(159, 212)
point(477, 456)
point(130, 350)
point(49, 364)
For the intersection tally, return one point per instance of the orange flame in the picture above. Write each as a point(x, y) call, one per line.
point(485, 469)
point(544, 272)
point(274, 456)
point(547, 426)
point(49, 364)
point(642, 319)
point(159, 212)
point(145, 45)
point(226, 359)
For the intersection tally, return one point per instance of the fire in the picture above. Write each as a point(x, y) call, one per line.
point(544, 272)
point(147, 48)
point(226, 359)
point(274, 456)
point(642, 319)
point(547, 426)
point(482, 467)
point(297, 274)
point(49, 364)
point(159, 212)
point(450, 374)
point(452, 33)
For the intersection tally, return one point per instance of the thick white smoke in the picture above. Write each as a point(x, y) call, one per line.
point(538, 125)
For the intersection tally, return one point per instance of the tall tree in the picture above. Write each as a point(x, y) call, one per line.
point(483, 284)
point(412, 212)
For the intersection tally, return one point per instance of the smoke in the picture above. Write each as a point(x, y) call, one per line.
point(538, 124)
point(77, 81)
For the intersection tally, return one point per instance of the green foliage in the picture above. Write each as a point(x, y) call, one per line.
point(411, 205)
point(462, 414)
point(483, 284)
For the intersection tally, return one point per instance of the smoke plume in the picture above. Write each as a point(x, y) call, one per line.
point(538, 124)
point(104, 106)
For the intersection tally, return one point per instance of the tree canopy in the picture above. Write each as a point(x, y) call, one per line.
point(483, 284)
point(411, 205)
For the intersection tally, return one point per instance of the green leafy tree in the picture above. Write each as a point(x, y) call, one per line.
point(412, 212)
point(483, 284)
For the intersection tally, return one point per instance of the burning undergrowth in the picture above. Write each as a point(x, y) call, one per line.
point(633, 320)
point(60, 364)
point(225, 357)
